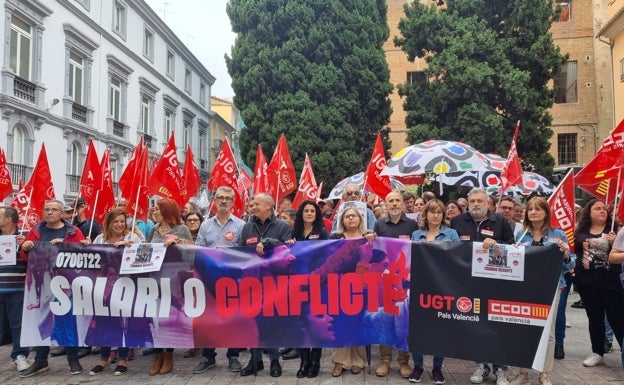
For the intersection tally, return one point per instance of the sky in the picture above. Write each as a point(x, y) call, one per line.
point(204, 27)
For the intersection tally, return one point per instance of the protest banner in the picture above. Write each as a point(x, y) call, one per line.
point(312, 294)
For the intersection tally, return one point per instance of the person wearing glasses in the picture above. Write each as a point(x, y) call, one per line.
point(54, 229)
point(432, 229)
point(221, 230)
point(506, 209)
point(353, 193)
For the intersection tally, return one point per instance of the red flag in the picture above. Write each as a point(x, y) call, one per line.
point(375, 182)
point(30, 200)
point(224, 174)
point(128, 181)
point(20, 184)
point(165, 179)
point(281, 170)
point(6, 186)
point(133, 182)
point(106, 196)
point(261, 177)
point(512, 171)
point(562, 209)
point(319, 190)
point(604, 166)
point(307, 185)
point(190, 174)
point(244, 180)
point(91, 180)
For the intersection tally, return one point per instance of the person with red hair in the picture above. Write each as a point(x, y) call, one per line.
point(168, 230)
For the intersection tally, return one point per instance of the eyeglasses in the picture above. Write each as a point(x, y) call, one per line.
point(192, 220)
point(51, 210)
point(223, 198)
point(351, 193)
point(506, 208)
point(350, 216)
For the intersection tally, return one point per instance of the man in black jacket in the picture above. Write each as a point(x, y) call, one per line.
point(479, 224)
point(264, 230)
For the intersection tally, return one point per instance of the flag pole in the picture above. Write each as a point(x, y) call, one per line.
point(136, 206)
point(97, 195)
point(616, 201)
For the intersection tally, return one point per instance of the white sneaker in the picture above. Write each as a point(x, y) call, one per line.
point(21, 363)
point(501, 377)
point(544, 380)
point(521, 379)
point(593, 360)
point(482, 372)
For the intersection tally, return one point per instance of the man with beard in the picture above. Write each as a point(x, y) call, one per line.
point(479, 224)
point(395, 225)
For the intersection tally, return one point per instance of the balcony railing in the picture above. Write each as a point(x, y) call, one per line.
point(79, 112)
point(73, 183)
point(118, 128)
point(19, 171)
point(24, 89)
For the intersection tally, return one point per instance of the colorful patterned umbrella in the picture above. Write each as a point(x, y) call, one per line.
point(358, 179)
point(436, 156)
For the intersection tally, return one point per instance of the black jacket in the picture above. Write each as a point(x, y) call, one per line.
point(495, 226)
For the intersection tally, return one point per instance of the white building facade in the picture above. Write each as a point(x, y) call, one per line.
point(106, 70)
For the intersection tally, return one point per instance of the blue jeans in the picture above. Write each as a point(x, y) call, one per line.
point(560, 322)
point(495, 366)
point(608, 330)
point(211, 353)
point(11, 304)
point(122, 353)
point(418, 360)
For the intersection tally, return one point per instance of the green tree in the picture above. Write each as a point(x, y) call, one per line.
point(314, 70)
point(489, 65)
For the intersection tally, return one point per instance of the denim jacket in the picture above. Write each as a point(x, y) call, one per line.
point(445, 234)
point(550, 240)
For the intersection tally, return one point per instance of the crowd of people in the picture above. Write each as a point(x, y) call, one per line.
point(594, 266)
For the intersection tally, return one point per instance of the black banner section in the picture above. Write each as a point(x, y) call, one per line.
point(453, 314)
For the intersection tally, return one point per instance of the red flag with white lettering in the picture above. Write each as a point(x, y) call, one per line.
point(6, 186)
point(191, 175)
point(106, 197)
point(281, 170)
point(375, 182)
point(307, 190)
point(91, 180)
point(512, 171)
point(261, 177)
point(30, 200)
point(562, 209)
point(595, 176)
point(165, 179)
point(224, 174)
point(133, 182)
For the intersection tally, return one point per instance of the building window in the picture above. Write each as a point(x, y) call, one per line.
point(416, 77)
point(19, 146)
point(170, 64)
point(145, 114)
point(148, 44)
point(188, 79)
point(566, 148)
point(21, 43)
point(76, 73)
point(565, 9)
point(202, 94)
point(74, 160)
point(168, 125)
point(114, 107)
point(119, 19)
point(566, 84)
point(622, 70)
point(187, 133)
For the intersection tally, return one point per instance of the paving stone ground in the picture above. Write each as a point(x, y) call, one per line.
point(569, 371)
